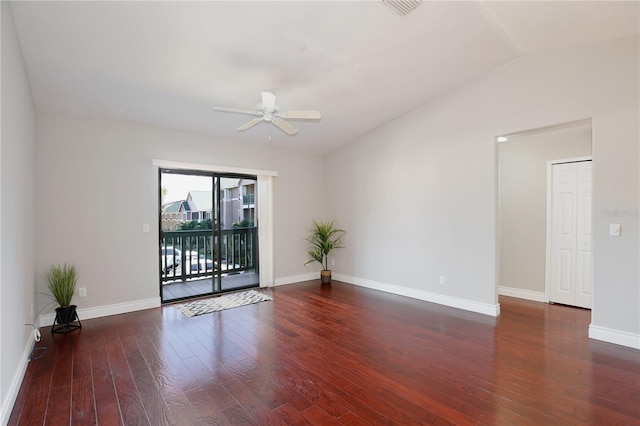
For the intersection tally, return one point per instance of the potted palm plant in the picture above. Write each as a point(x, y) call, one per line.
point(324, 237)
point(61, 282)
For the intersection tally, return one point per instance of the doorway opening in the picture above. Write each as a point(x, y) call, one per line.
point(208, 233)
point(523, 158)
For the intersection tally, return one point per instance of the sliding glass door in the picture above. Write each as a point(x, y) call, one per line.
point(208, 233)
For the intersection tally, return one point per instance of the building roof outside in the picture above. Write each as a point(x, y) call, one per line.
point(172, 207)
point(200, 200)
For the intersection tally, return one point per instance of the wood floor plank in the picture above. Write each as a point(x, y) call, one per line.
point(59, 406)
point(107, 407)
point(219, 394)
point(208, 412)
point(290, 416)
point(350, 419)
point(236, 415)
point(129, 399)
point(62, 367)
point(21, 399)
point(154, 404)
point(329, 355)
point(34, 410)
point(317, 416)
point(83, 407)
point(257, 411)
point(162, 362)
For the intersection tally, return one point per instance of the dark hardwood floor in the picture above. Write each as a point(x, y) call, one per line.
point(338, 355)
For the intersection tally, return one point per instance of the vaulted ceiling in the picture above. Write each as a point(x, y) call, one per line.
point(358, 62)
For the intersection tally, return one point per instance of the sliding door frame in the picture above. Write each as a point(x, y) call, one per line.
point(216, 231)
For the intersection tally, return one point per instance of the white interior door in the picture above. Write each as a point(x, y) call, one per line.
point(571, 240)
point(584, 243)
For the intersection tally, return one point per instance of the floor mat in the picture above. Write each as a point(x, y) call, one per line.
point(215, 304)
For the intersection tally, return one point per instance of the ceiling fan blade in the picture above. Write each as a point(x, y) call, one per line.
point(268, 100)
point(301, 115)
point(235, 110)
point(284, 126)
point(250, 124)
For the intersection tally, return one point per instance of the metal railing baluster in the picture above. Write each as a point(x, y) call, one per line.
point(239, 251)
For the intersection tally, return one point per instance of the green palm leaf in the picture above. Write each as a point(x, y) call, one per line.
point(322, 240)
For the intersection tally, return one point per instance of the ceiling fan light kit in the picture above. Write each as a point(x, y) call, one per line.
point(270, 112)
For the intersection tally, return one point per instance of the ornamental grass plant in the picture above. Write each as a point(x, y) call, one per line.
point(61, 282)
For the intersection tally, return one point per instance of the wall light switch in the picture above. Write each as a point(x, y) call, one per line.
point(145, 227)
point(615, 229)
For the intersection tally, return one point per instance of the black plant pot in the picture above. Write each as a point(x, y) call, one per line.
point(66, 320)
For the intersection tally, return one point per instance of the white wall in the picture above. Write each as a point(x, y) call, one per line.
point(17, 217)
point(97, 187)
point(439, 164)
point(523, 202)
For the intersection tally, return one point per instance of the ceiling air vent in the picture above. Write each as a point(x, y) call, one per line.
point(402, 7)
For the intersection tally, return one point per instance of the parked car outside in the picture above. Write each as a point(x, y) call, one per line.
point(197, 262)
point(170, 258)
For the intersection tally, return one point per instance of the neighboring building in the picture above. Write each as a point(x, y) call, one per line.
point(173, 214)
point(238, 201)
point(237, 197)
point(199, 206)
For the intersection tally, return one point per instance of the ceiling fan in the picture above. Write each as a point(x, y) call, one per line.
point(270, 112)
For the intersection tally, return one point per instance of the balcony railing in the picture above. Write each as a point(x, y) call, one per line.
point(194, 254)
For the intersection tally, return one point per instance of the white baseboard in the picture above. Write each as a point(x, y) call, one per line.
point(16, 382)
point(618, 337)
point(536, 296)
point(104, 311)
point(291, 279)
point(441, 299)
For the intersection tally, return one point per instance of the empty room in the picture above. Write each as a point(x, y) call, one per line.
point(320, 212)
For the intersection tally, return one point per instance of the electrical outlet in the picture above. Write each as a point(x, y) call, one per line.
point(333, 262)
point(442, 280)
point(82, 292)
